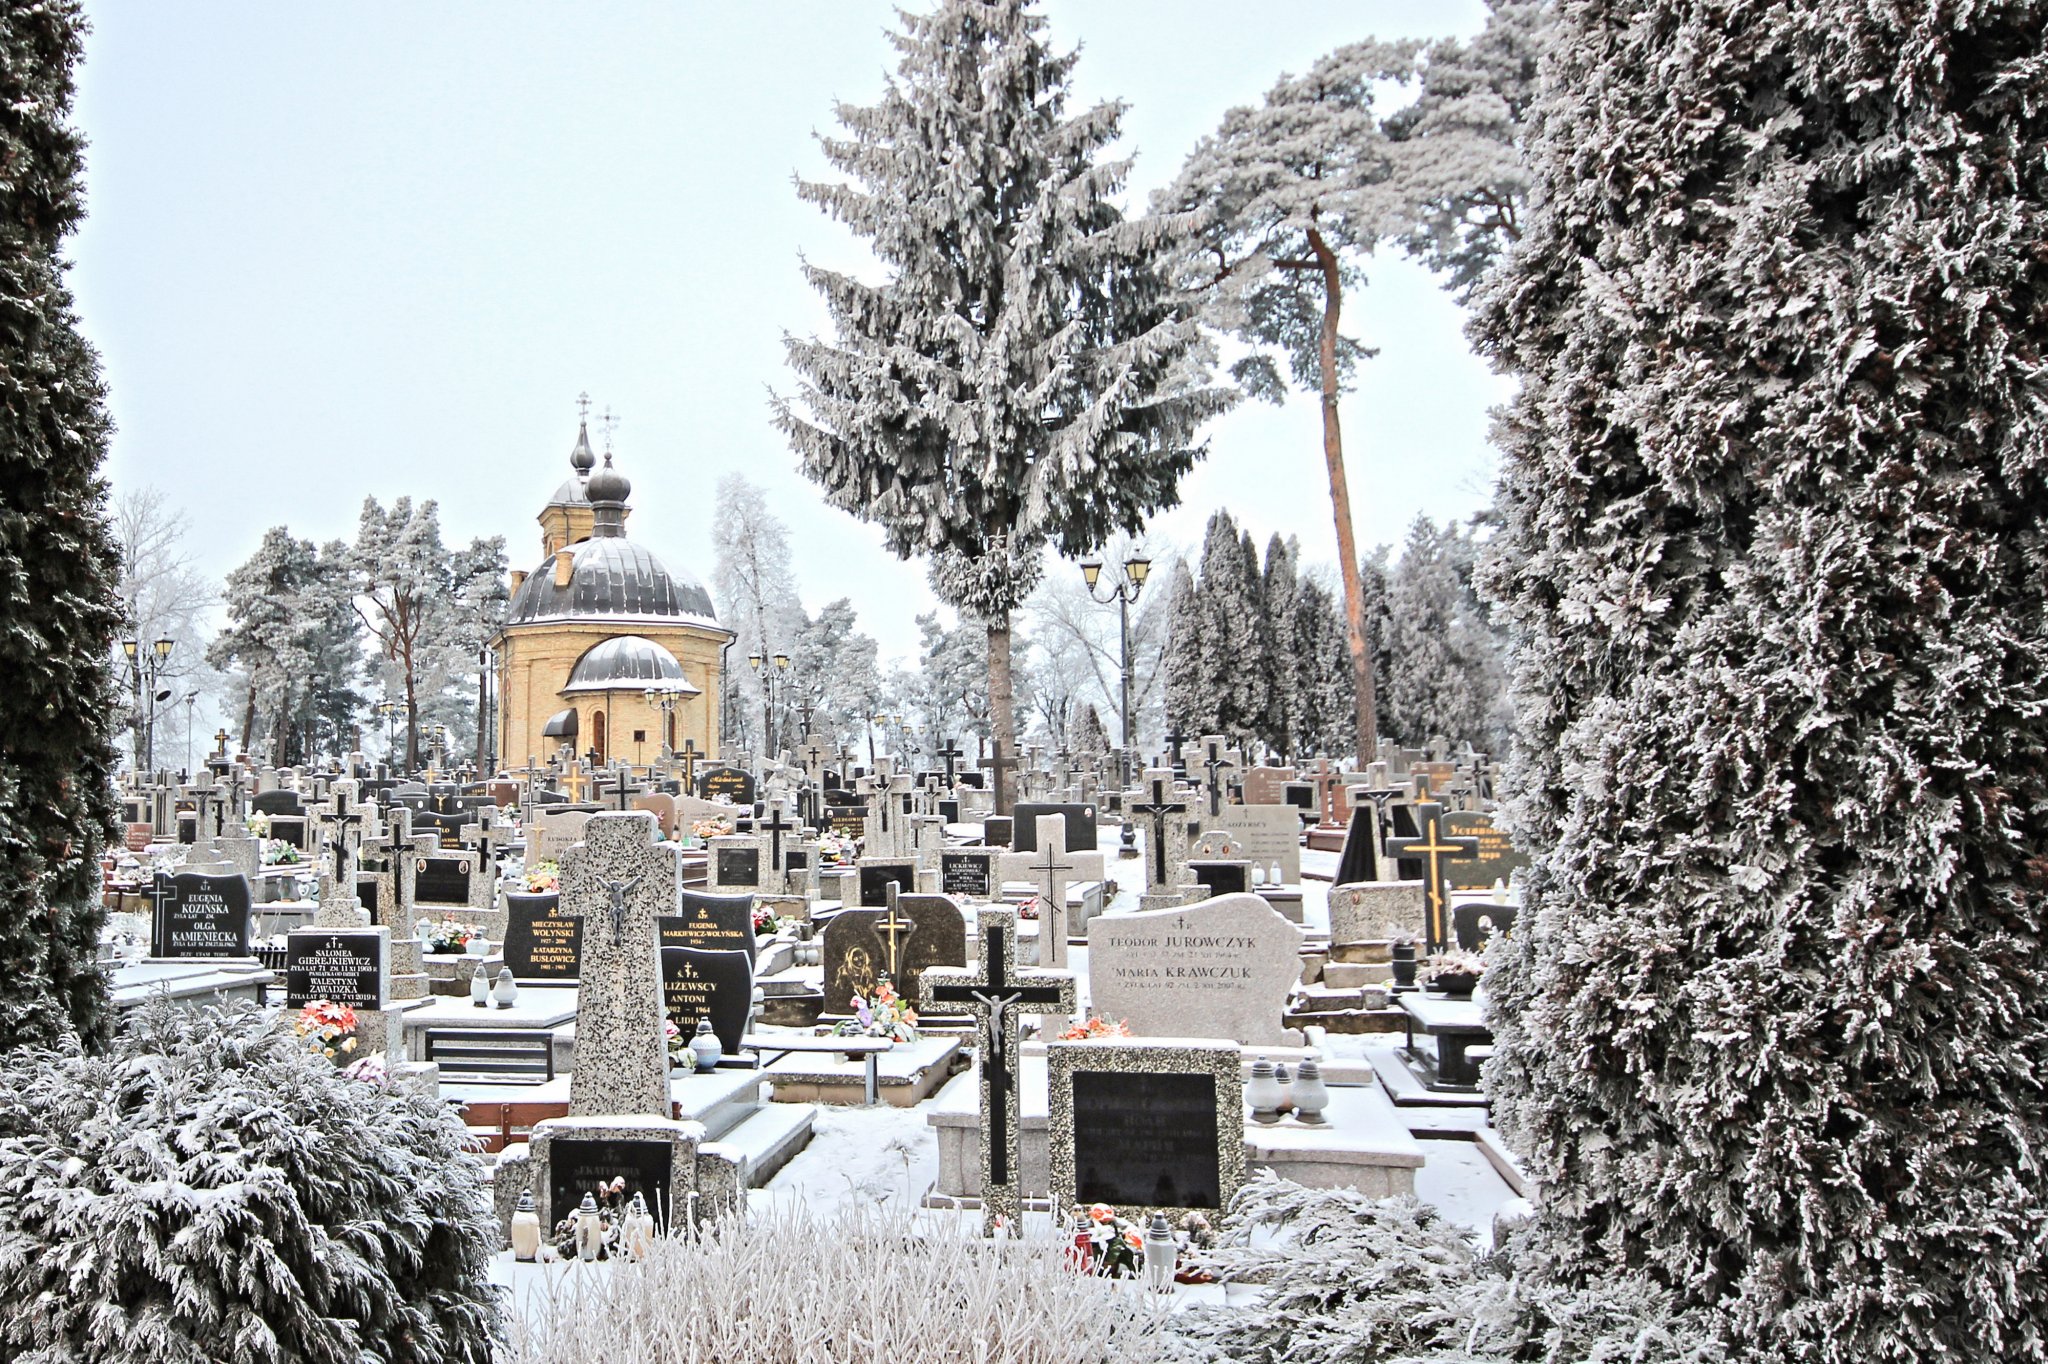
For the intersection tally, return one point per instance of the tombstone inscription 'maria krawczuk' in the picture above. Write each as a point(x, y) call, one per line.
point(1220, 968)
point(1145, 1124)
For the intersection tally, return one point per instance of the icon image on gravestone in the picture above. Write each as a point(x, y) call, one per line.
point(854, 956)
point(541, 943)
point(341, 966)
point(200, 916)
point(1145, 1126)
point(1473, 924)
point(717, 985)
point(578, 1166)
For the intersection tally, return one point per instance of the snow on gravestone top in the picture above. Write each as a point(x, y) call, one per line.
point(1220, 968)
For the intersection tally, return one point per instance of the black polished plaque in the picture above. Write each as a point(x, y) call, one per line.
point(1146, 1139)
point(738, 866)
point(541, 943)
point(578, 1167)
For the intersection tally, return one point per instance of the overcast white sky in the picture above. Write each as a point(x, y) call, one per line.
point(348, 250)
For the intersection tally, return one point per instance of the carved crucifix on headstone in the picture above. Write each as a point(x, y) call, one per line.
point(621, 873)
point(775, 826)
point(1435, 848)
point(998, 996)
point(892, 927)
point(1049, 873)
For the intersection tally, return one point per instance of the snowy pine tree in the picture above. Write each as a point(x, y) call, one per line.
point(1319, 658)
point(213, 1189)
point(1190, 703)
point(1775, 497)
point(1022, 376)
point(58, 564)
point(1279, 586)
point(1444, 671)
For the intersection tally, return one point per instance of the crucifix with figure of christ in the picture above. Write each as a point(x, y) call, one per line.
point(1212, 763)
point(1435, 848)
point(1165, 814)
point(999, 996)
point(622, 877)
point(950, 753)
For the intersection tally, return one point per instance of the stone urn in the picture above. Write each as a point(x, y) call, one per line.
point(1402, 956)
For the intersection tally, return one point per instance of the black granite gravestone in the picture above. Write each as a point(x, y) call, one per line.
point(734, 783)
point(711, 923)
point(854, 956)
point(1498, 859)
point(969, 874)
point(1222, 878)
point(1024, 826)
point(738, 866)
point(576, 1168)
point(876, 876)
point(1473, 924)
point(541, 943)
point(715, 985)
point(1146, 1139)
point(344, 966)
point(441, 881)
point(200, 916)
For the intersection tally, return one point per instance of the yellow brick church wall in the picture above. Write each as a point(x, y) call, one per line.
point(534, 662)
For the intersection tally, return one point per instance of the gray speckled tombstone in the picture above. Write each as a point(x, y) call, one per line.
point(1221, 968)
point(1362, 911)
point(620, 882)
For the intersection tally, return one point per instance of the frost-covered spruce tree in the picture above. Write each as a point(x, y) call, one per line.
point(58, 564)
point(211, 1189)
point(1021, 376)
point(1190, 704)
point(1279, 586)
point(1775, 493)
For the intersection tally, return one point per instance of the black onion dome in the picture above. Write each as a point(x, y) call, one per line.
point(608, 485)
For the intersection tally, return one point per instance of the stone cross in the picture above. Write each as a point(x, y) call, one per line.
point(1326, 779)
point(996, 764)
point(1435, 848)
point(998, 996)
point(482, 838)
point(205, 800)
point(1047, 871)
point(620, 874)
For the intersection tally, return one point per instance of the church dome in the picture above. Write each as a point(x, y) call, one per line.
point(628, 663)
point(608, 484)
point(612, 578)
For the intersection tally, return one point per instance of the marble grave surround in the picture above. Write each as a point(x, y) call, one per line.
point(1145, 1056)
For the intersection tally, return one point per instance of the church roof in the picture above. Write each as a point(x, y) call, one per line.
point(612, 578)
point(628, 663)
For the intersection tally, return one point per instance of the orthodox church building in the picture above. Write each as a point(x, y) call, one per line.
point(605, 648)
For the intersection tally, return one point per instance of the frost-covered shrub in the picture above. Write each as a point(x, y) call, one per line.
point(1342, 1278)
point(859, 1286)
point(1773, 539)
point(212, 1190)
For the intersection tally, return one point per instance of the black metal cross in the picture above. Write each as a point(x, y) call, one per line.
point(776, 826)
point(1213, 764)
point(1160, 809)
point(689, 755)
point(1435, 849)
point(951, 753)
point(1174, 740)
point(998, 998)
point(161, 891)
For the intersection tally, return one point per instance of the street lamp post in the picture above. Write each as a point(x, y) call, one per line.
point(664, 700)
point(387, 709)
point(1123, 590)
point(777, 667)
point(145, 667)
